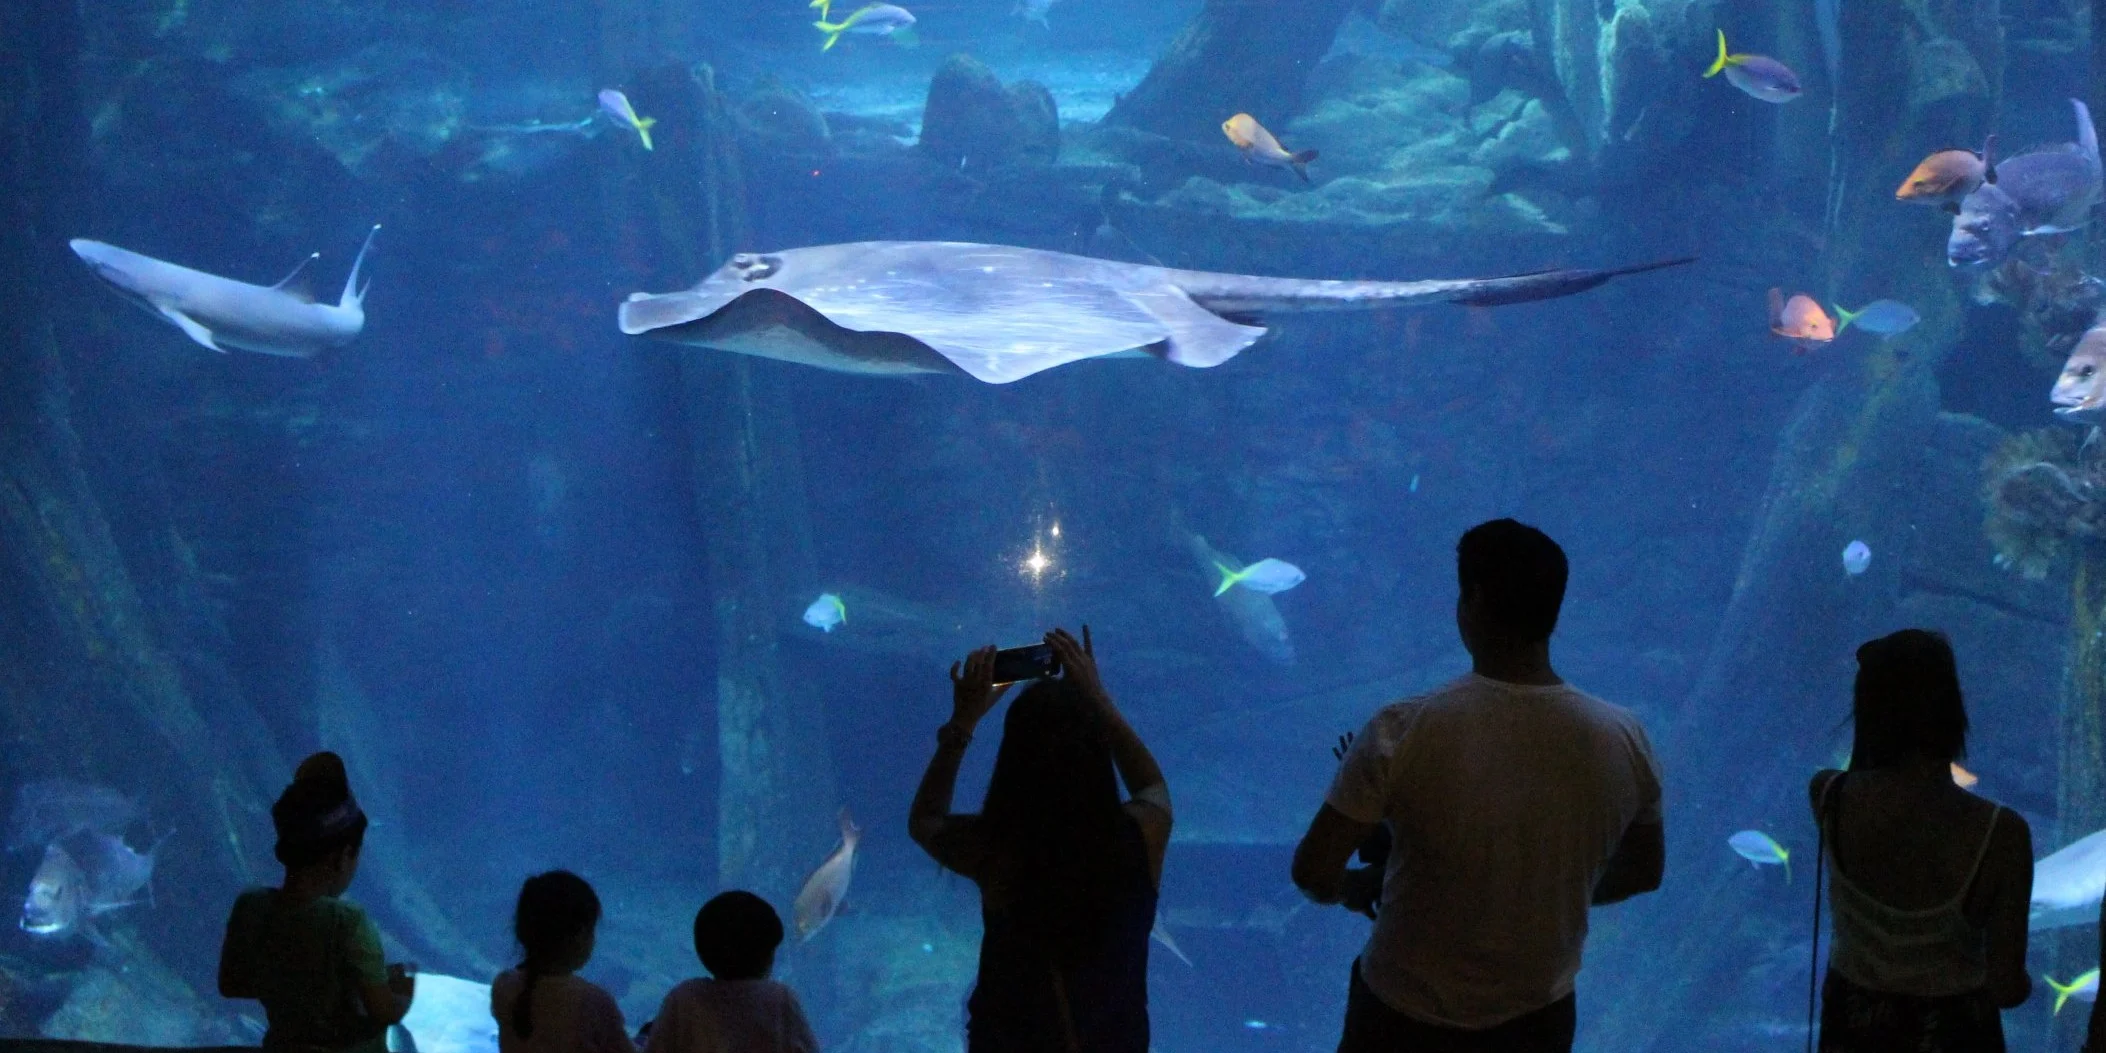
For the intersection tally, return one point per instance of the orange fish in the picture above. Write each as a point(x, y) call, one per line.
point(1259, 146)
point(1963, 778)
point(1945, 177)
point(1800, 320)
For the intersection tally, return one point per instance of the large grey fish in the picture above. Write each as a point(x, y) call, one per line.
point(998, 313)
point(2050, 191)
point(824, 892)
point(1256, 616)
point(50, 809)
point(81, 878)
point(2080, 392)
point(221, 313)
point(2068, 885)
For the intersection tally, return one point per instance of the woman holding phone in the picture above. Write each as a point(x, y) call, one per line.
point(1067, 870)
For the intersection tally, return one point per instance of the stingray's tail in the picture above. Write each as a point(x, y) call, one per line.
point(1549, 285)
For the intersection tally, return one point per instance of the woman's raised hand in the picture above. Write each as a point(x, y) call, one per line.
point(1078, 662)
point(973, 690)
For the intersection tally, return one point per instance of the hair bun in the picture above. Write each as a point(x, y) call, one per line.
point(324, 766)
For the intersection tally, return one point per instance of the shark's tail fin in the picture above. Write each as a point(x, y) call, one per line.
point(354, 293)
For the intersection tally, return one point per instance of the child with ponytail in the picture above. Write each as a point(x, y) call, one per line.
point(542, 1006)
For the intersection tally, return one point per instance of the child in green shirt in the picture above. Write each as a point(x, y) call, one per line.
point(311, 957)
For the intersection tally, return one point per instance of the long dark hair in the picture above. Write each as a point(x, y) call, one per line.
point(554, 910)
point(1054, 822)
point(1907, 701)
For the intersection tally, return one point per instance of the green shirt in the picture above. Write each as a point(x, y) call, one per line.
point(307, 962)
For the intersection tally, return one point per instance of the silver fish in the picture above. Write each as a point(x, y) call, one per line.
point(2080, 392)
point(2067, 886)
point(1256, 617)
point(827, 888)
point(82, 878)
point(221, 313)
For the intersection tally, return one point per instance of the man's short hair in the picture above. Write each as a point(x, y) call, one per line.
point(1518, 574)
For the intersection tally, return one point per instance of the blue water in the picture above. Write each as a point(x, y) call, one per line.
point(495, 552)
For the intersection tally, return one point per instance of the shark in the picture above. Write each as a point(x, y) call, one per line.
point(999, 313)
point(224, 314)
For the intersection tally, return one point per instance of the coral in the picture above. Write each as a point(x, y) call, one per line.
point(2043, 495)
point(2057, 302)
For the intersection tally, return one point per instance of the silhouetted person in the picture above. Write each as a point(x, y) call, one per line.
point(1929, 884)
point(543, 1006)
point(1515, 801)
point(738, 1009)
point(2095, 1035)
point(310, 956)
point(1067, 870)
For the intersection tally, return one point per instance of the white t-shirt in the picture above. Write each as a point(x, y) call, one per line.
point(731, 1016)
point(1506, 803)
point(570, 1016)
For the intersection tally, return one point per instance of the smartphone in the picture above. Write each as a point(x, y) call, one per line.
point(1034, 662)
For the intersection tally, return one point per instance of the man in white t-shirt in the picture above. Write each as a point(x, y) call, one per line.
point(1514, 802)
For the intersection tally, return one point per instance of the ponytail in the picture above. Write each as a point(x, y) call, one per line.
point(556, 910)
point(523, 1007)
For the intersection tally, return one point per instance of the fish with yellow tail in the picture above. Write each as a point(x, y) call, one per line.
point(616, 106)
point(878, 20)
point(1762, 850)
point(823, 893)
point(1259, 146)
point(2084, 988)
point(1760, 76)
point(826, 8)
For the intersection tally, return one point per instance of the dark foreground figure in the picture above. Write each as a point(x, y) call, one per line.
point(1929, 883)
point(1067, 870)
point(309, 955)
point(1515, 802)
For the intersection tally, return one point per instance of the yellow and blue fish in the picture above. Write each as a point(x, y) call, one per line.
point(616, 105)
point(882, 20)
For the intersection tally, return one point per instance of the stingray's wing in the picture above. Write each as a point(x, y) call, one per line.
point(998, 313)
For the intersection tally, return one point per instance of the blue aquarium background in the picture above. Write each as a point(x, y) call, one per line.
point(542, 585)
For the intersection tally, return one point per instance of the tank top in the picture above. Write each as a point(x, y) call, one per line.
point(1931, 953)
point(1021, 1002)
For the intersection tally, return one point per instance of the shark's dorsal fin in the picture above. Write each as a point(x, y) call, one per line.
point(295, 286)
point(190, 327)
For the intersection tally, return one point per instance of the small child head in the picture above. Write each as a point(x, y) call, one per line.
point(736, 935)
point(554, 924)
point(554, 921)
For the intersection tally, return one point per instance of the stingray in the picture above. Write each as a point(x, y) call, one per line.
point(999, 314)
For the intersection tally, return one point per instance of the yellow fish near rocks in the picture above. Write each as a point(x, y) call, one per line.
point(1259, 146)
